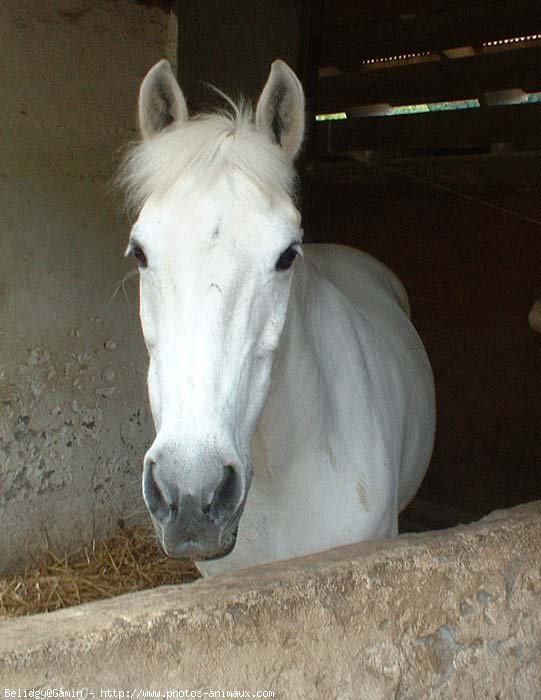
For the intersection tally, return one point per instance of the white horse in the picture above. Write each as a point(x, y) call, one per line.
point(292, 398)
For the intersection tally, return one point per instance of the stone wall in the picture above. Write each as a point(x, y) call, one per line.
point(454, 614)
point(73, 417)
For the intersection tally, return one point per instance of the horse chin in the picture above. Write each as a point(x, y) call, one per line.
point(195, 551)
point(226, 549)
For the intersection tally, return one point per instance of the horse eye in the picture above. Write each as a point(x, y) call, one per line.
point(286, 258)
point(139, 254)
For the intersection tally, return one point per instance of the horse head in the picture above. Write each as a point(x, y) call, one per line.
point(216, 241)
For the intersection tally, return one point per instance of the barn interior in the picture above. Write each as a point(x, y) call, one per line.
point(423, 149)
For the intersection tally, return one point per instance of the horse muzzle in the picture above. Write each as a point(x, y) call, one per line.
point(189, 533)
point(197, 527)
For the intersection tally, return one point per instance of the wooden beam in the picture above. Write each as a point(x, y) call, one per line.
point(470, 174)
point(469, 128)
point(471, 25)
point(162, 4)
point(340, 13)
point(456, 79)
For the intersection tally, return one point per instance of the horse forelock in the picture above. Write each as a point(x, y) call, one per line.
point(201, 149)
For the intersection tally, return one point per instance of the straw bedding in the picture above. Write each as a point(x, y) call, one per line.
point(130, 561)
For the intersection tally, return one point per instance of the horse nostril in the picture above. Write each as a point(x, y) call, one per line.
point(225, 496)
point(152, 492)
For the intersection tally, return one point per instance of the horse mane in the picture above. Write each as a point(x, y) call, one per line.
point(202, 148)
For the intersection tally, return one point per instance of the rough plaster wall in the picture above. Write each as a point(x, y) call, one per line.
point(73, 416)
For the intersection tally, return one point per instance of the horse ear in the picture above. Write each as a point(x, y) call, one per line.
point(161, 101)
point(280, 109)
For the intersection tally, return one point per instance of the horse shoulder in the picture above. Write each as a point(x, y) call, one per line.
point(352, 271)
point(391, 347)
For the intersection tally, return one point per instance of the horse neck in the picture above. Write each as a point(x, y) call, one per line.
point(294, 418)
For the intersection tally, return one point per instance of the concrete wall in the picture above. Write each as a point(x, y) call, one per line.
point(454, 614)
point(73, 418)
